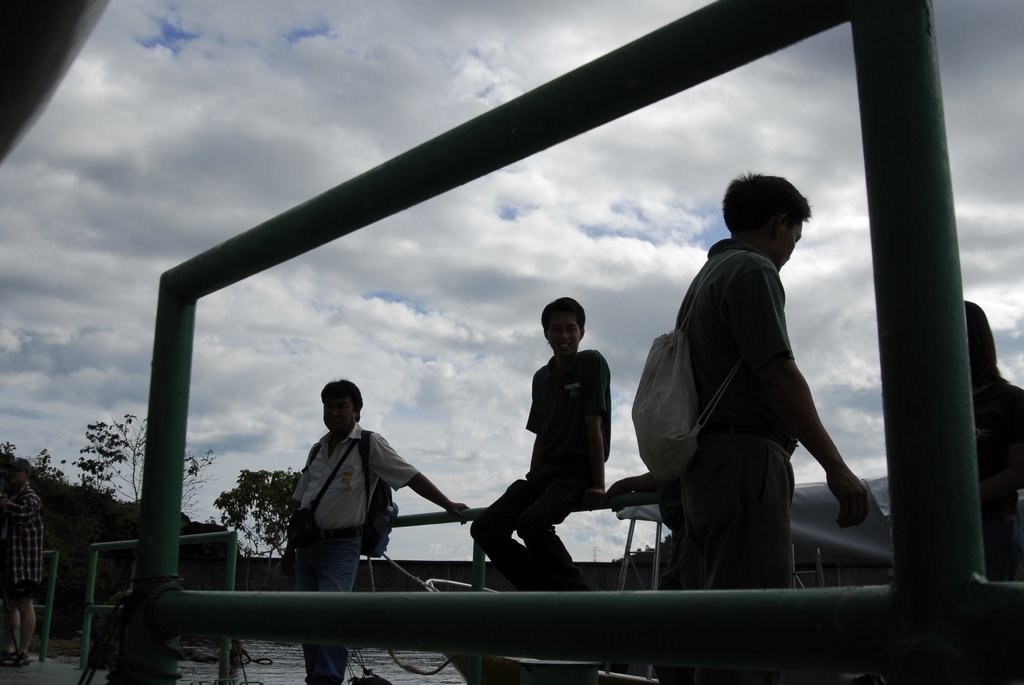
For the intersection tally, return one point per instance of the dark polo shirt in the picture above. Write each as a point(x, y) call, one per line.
point(561, 402)
point(998, 423)
point(739, 313)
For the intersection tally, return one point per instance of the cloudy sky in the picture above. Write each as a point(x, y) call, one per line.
point(183, 124)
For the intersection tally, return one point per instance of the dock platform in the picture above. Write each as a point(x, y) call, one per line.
point(45, 673)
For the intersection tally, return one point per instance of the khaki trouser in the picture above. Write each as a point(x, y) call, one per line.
point(737, 495)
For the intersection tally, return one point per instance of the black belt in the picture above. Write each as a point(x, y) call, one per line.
point(783, 440)
point(340, 533)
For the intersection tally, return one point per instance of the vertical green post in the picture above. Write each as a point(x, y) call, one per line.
point(51, 588)
point(925, 378)
point(475, 672)
point(90, 599)
point(231, 554)
point(479, 579)
point(148, 661)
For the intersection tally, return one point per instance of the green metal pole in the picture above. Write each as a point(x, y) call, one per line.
point(933, 477)
point(148, 660)
point(475, 670)
point(841, 629)
point(85, 645)
point(479, 580)
point(231, 553)
point(51, 588)
point(707, 43)
point(90, 578)
point(439, 517)
point(92, 609)
point(90, 598)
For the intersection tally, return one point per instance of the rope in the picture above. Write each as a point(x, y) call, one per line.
point(415, 669)
point(101, 654)
point(368, 675)
point(145, 592)
point(426, 586)
point(429, 588)
point(241, 655)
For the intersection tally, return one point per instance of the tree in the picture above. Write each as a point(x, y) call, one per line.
point(259, 506)
point(114, 459)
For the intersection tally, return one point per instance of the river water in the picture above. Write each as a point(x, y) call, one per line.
point(286, 667)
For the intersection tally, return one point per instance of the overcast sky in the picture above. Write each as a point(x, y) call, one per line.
point(183, 124)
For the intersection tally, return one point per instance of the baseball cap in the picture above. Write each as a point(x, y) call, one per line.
point(19, 464)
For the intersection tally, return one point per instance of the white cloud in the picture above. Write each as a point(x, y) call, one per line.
point(181, 126)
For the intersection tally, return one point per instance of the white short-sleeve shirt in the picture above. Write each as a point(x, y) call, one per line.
point(344, 504)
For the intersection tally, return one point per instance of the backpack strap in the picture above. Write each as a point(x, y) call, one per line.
point(683, 317)
point(683, 320)
point(364, 453)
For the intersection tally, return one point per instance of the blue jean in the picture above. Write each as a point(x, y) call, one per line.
point(326, 566)
point(1001, 535)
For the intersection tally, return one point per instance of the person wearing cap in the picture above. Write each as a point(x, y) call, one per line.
point(21, 536)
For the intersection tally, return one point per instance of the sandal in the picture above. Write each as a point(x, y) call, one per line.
point(7, 658)
point(20, 659)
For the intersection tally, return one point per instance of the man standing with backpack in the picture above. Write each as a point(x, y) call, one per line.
point(738, 488)
point(334, 478)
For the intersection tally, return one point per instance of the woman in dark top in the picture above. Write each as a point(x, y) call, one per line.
point(999, 431)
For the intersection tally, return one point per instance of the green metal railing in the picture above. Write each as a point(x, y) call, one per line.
point(474, 675)
point(939, 622)
point(230, 538)
point(53, 557)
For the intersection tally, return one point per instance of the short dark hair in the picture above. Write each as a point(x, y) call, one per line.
point(752, 199)
point(339, 390)
point(981, 346)
point(563, 304)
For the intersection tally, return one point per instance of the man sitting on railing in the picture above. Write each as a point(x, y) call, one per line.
point(570, 416)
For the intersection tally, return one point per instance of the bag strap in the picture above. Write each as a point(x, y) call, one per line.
point(683, 317)
point(713, 402)
point(319, 495)
point(364, 453)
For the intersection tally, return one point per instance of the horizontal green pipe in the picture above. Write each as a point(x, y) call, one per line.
point(112, 545)
point(842, 629)
point(707, 43)
point(616, 503)
point(99, 608)
point(198, 538)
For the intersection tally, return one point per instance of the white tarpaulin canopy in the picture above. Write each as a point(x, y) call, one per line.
point(813, 521)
